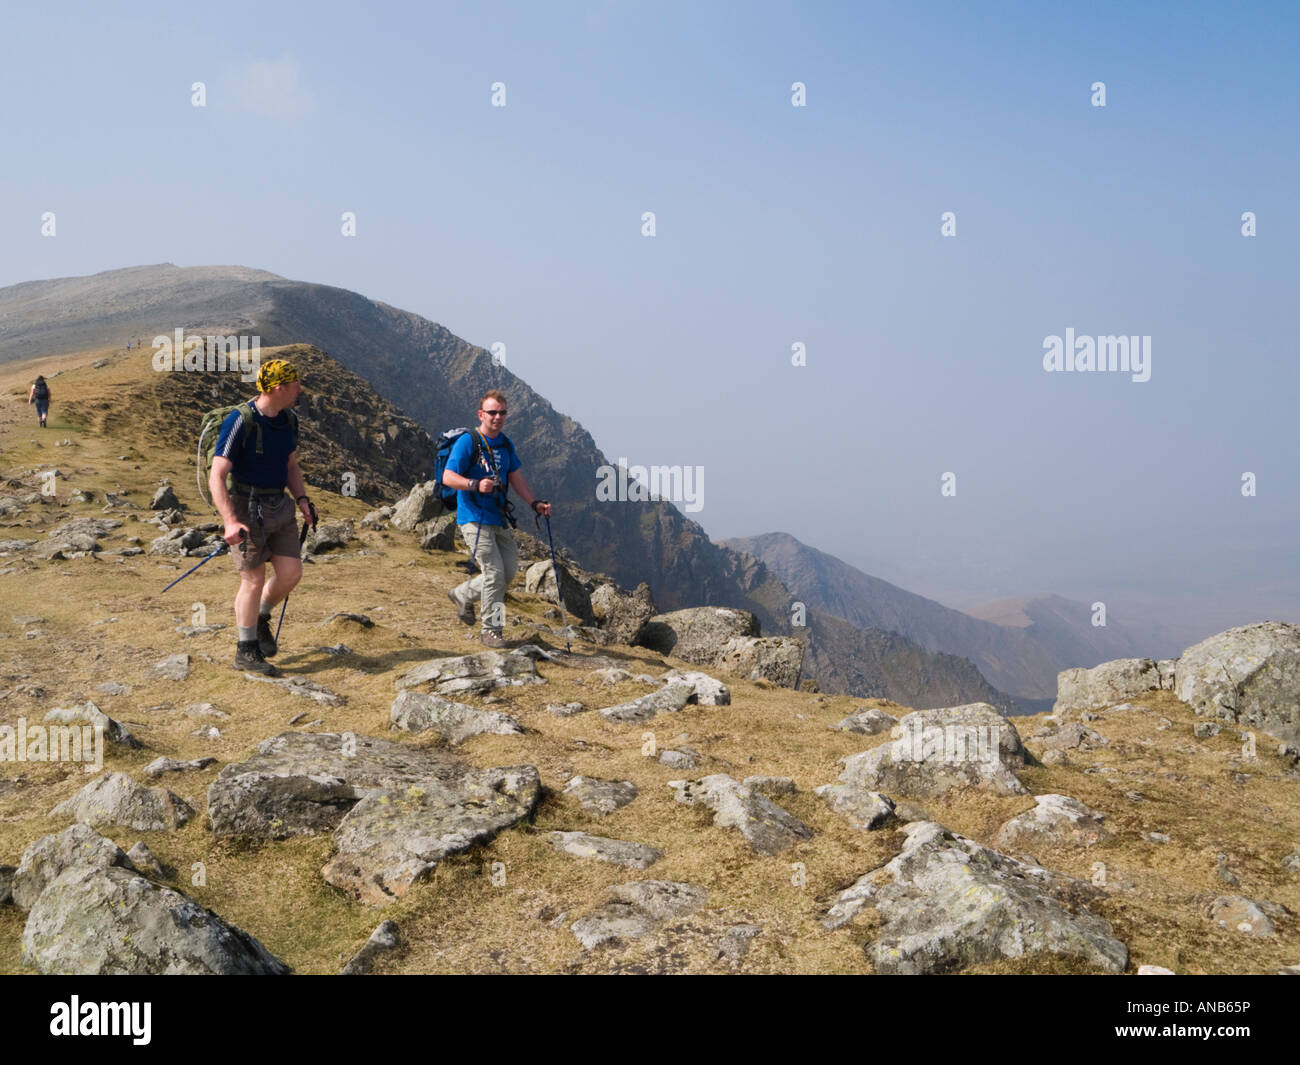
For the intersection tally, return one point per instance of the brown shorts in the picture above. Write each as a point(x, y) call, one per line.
point(275, 534)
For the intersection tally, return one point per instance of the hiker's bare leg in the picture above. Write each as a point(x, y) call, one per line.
point(249, 596)
point(288, 572)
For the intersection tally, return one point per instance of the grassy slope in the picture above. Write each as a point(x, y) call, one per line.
point(458, 921)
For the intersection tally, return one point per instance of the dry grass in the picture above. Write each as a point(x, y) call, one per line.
point(459, 921)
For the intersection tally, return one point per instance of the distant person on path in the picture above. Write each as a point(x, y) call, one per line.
point(260, 520)
point(40, 395)
point(483, 467)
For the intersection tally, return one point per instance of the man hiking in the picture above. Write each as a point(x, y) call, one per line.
point(259, 517)
point(483, 467)
point(40, 395)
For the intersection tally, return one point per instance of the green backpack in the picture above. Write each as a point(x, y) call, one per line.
point(210, 432)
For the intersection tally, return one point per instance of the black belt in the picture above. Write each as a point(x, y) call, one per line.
point(256, 492)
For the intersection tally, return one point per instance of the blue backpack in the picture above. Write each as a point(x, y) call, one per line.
point(482, 456)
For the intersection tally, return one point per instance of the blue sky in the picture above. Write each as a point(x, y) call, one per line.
point(775, 225)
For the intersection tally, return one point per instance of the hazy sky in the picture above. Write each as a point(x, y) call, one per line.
point(775, 225)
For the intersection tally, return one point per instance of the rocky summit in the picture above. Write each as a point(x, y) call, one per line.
point(625, 787)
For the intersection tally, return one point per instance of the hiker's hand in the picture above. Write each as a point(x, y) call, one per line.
point(478, 485)
point(234, 533)
point(308, 510)
point(542, 507)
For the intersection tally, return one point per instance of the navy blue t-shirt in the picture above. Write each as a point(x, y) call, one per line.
point(477, 507)
point(238, 442)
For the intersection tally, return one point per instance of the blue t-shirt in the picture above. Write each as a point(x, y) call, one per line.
point(477, 507)
point(238, 443)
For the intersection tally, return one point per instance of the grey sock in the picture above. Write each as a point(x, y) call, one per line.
point(246, 634)
point(264, 611)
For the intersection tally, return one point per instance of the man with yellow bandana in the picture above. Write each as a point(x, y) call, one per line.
point(260, 519)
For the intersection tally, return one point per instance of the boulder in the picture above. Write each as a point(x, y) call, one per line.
point(669, 699)
point(165, 499)
point(618, 851)
point(540, 581)
point(47, 857)
point(778, 659)
point(420, 504)
point(116, 799)
point(330, 536)
point(475, 674)
point(947, 903)
point(302, 783)
point(697, 634)
point(143, 860)
point(767, 827)
point(1167, 670)
point(1055, 820)
point(970, 746)
point(1250, 917)
point(97, 921)
point(1110, 682)
point(438, 534)
point(88, 713)
point(395, 837)
point(622, 614)
point(159, 766)
point(864, 810)
point(454, 722)
point(1249, 676)
point(706, 691)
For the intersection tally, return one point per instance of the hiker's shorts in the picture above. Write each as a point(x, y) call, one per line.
point(42, 408)
point(275, 534)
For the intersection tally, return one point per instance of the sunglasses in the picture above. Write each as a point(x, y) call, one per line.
point(495, 413)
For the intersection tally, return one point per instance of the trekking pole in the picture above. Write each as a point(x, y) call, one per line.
point(193, 568)
point(564, 620)
point(302, 539)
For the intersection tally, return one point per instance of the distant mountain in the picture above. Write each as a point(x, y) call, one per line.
point(436, 378)
point(1022, 654)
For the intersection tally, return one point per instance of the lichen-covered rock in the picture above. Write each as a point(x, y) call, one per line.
point(475, 674)
point(864, 810)
point(947, 903)
point(697, 634)
point(707, 691)
point(767, 827)
point(622, 614)
point(540, 580)
point(88, 713)
point(601, 796)
point(1055, 820)
point(111, 921)
point(1249, 676)
point(938, 751)
point(1110, 682)
point(116, 799)
point(419, 505)
point(454, 722)
point(636, 909)
point(669, 699)
point(618, 851)
point(778, 659)
point(394, 838)
point(47, 857)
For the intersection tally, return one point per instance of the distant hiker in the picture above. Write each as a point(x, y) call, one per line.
point(40, 395)
point(483, 467)
point(258, 448)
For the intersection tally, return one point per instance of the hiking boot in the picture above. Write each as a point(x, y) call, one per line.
point(464, 611)
point(249, 658)
point(265, 641)
point(492, 638)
